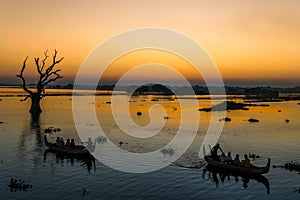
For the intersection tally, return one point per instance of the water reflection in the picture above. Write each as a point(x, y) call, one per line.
point(30, 143)
point(35, 120)
point(87, 160)
point(32, 131)
point(218, 175)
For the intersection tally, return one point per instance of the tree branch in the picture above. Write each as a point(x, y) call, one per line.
point(23, 79)
point(54, 62)
point(44, 60)
point(46, 74)
point(25, 98)
point(53, 79)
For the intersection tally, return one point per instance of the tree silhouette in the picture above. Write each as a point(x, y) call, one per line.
point(46, 75)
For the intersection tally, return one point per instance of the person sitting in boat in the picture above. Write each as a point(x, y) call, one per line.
point(62, 142)
point(223, 158)
point(229, 158)
point(68, 143)
point(214, 150)
point(236, 161)
point(72, 144)
point(89, 143)
point(246, 162)
point(57, 141)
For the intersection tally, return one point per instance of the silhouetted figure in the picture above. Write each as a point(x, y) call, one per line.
point(236, 161)
point(62, 142)
point(57, 142)
point(229, 158)
point(223, 158)
point(68, 143)
point(214, 150)
point(246, 162)
point(72, 144)
point(90, 145)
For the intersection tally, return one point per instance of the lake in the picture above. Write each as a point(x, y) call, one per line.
point(52, 176)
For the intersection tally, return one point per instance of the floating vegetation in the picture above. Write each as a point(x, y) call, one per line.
point(139, 113)
point(52, 129)
point(253, 156)
point(121, 143)
point(253, 120)
point(226, 119)
point(15, 185)
point(192, 165)
point(231, 105)
point(296, 190)
point(291, 166)
point(168, 151)
point(101, 139)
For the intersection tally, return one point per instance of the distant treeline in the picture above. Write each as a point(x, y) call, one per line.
point(199, 90)
point(179, 90)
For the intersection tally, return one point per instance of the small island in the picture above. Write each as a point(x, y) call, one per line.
point(231, 105)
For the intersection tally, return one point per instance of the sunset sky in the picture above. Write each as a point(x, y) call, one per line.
point(249, 41)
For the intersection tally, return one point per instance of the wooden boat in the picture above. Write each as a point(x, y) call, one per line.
point(251, 170)
point(77, 150)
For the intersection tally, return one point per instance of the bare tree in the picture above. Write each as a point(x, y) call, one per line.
point(46, 75)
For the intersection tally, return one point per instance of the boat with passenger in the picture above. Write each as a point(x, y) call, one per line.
point(76, 150)
point(247, 170)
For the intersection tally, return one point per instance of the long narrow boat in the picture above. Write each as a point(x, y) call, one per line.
point(77, 150)
point(251, 170)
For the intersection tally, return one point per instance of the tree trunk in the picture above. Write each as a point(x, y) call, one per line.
point(35, 103)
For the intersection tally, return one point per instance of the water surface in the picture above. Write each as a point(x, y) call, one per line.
point(23, 154)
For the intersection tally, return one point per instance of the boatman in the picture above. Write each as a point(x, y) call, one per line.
point(214, 150)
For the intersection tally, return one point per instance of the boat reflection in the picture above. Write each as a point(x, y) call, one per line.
point(86, 160)
point(220, 175)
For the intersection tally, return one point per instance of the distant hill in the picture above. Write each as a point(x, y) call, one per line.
point(152, 89)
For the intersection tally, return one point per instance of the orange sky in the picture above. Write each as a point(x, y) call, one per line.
point(248, 40)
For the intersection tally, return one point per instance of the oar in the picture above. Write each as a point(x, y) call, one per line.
point(209, 148)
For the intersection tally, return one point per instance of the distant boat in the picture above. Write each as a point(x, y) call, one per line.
point(77, 150)
point(251, 170)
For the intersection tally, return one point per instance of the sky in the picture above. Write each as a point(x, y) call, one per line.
point(250, 41)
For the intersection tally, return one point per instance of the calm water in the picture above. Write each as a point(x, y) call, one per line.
point(23, 153)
